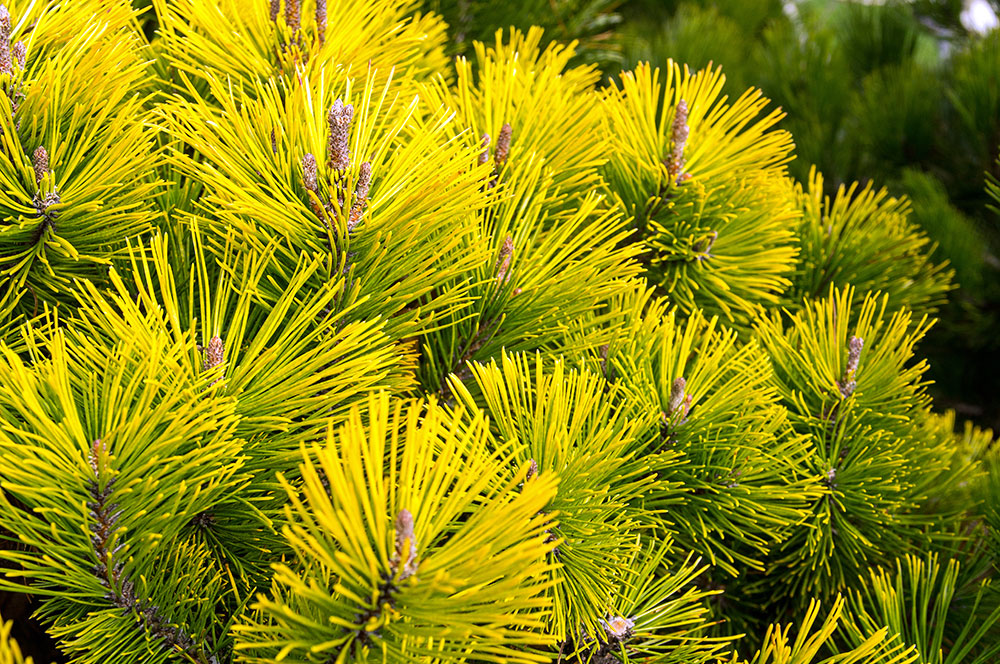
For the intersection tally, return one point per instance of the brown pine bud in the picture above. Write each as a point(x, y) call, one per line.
point(676, 396)
point(404, 559)
point(275, 8)
point(532, 470)
point(484, 156)
point(503, 146)
point(680, 129)
point(95, 455)
point(503, 262)
point(354, 217)
point(274, 143)
point(363, 184)
point(20, 52)
point(679, 136)
point(321, 20)
point(40, 162)
point(309, 177)
point(311, 182)
point(6, 65)
point(293, 18)
point(214, 354)
point(338, 153)
point(854, 347)
point(848, 384)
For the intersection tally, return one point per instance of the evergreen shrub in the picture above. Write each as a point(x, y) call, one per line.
point(317, 346)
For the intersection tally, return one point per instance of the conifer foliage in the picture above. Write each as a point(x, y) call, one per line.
point(318, 347)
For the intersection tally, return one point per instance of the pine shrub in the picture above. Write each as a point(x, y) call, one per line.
point(316, 346)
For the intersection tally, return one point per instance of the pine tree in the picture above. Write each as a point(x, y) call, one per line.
point(317, 347)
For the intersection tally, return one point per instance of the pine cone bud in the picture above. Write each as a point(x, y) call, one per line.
point(311, 182)
point(96, 452)
point(321, 20)
point(680, 128)
point(849, 384)
point(338, 153)
point(20, 52)
point(6, 65)
point(676, 396)
point(503, 146)
point(354, 217)
point(854, 347)
point(679, 136)
point(406, 546)
point(293, 17)
point(503, 262)
point(275, 8)
point(363, 184)
point(274, 143)
point(40, 162)
point(214, 354)
point(309, 177)
point(484, 156)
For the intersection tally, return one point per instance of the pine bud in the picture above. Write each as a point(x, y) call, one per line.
point(311, 182)
point(406, 546)
point(364, 182)
point(40, 162)
point(20, 52)
point(338, 153)
point(293, 16)
point(321, 20)
point(849, 384)
point(854, 347)
point(532, 470)
point(6, 65)
point(309, 177)
point(274, 143)
point(484, 156)
point(680, 129)
point(275, 8)
point(679, 136)
point(214, 354)
point(96, 452)
point(503, 262)
point(503, 146)
point(354, 217)
point(676, 395)
point(360, 196)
